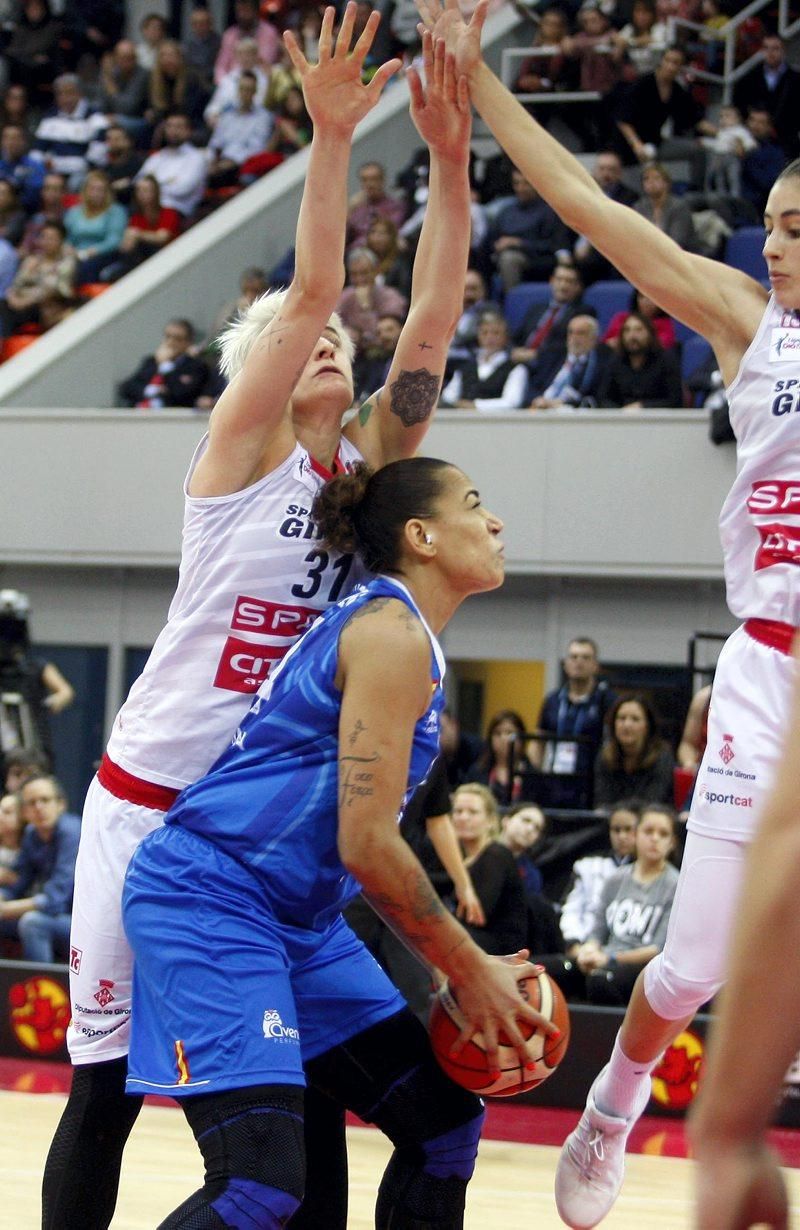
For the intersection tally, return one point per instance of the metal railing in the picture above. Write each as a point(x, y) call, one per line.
point(508, 75)
point(732, 72)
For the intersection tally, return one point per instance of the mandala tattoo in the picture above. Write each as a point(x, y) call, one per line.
point(414, 395)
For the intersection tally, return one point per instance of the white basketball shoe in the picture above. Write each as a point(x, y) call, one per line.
point(592, 1163)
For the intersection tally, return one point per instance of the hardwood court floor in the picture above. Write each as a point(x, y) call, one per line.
point(512, 1184)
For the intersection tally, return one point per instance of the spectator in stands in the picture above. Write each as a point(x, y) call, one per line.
point(95, 226)
point(599, 56)
point(578, 709)
point(663, 325)
point(362, 301)
point(521, 831)
point(490, 380)
point(764, 163)
point(371, 366)
point(54, 308)
point(11, 829)
point(175, 87)
point(227, 92)
point(121, 162)
point(492, 870)
point(179, 167)
point(17, 165)
point(667, 212)
point(33, 52)
point(571, 377)
point(590, 263)
point(12, 215)
point(543, 330)
point(727, 147)
point(589, 876)
point(247, 25)
point(91, 28)
point(293, 127)
point(370, 202)
point(283, 76)
point(475, 304)
point(150, 228)
point(172, 376)
point(541, 74)
point(66, 137)
point(9, 264)
point(241, 132)
point(459, 749)
point(21, 764)
point(645, 108)
point(630, 924)
point(37, 910)
point(153, 30)
point(775, 86)
point(527, 236)
point(201, 45)
point(123, 89)
point(644, 38)
point(695, 730)
point(16, 110)
point(52, 210)
point(634, 762)
point(641, 374)
point(394, 268)
point(51, 268)
point(252, 283)
point(502, 763)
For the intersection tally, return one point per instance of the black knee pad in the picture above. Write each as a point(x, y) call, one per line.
point(252, 1139)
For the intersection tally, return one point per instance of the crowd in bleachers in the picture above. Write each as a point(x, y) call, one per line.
point(111, 146)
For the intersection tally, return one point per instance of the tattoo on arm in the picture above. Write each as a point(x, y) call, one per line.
point(358, 729)
point(355, 778)
point(425, 346)
point(365, 412)
point(413, 396)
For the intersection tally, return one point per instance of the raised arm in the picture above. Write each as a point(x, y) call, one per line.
point(250, 430)
point(721, 303)
point(384, 651)
point(392, 423)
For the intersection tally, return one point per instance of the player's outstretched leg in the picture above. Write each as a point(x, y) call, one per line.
point(81, 1175)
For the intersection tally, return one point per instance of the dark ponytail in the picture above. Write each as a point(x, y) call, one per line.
point(365, 511)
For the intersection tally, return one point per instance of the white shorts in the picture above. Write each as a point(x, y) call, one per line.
point(101, 962)
point(750, 705)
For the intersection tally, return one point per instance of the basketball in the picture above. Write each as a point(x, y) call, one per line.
point(470, 1069)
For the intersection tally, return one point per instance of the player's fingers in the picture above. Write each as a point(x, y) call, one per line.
point(418, 101)
point(326, 34)
point(492, 1049)
point(427, 57)
point(541, 1022)
point(362, 47)
point(463, 1038)
point(425, 8)
point(462, 95)
point(295, 54)
point(384, 74)
point(439, 58)
point(345, 31)
point(479, 16)
point(517, 1040)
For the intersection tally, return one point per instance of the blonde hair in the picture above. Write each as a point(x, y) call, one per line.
point(488, 800)
point(238, 339)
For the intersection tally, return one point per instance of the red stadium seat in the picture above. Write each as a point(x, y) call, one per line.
point(681, 785)
point(90, 290)
point(14, 344)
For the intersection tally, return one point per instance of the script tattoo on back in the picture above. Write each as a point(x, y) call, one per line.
point(414, 395)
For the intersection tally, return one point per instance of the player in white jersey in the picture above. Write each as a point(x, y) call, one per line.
point(756, 338)
point(253, 574)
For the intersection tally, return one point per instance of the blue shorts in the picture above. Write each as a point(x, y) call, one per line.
point(225, 995)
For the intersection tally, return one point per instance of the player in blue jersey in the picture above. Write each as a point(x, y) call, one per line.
point(248, 982)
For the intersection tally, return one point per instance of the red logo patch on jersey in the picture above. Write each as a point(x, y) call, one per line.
point(774, 497)
point(256, 615)
point(780, 544)
point(243, 667)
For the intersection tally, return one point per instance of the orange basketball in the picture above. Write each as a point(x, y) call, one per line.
point(470, 1069)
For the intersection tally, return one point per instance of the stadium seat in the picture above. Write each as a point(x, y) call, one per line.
point(520, 298)
point(695, 350)
point(608, 298)
point(682, 780)
point(90, 290)
point(743, 251)
point(14, 344)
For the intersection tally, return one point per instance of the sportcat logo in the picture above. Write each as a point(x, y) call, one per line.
point(772, 496)
point(780, 544)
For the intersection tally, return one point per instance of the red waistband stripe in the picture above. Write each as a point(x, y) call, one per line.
point(132, 789)
point(772, 633)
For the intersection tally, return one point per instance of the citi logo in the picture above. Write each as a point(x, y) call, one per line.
point(274, 1028)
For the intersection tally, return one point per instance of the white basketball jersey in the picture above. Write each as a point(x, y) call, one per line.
point(760, 520)
point(253, 577)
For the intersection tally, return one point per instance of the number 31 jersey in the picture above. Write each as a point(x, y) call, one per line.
point(253, 577)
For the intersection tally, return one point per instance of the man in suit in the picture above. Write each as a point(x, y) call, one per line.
point(527, 236)
point(774, 86)
point(543, 330)
point(571, 376)
point(171, 376)
point(590, 263)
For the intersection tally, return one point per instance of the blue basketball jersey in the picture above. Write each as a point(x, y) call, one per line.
point(271, 799)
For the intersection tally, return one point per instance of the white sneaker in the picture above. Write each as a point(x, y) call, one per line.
point(592, 1163)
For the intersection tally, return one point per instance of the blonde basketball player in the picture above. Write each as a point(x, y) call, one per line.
point(756, 338)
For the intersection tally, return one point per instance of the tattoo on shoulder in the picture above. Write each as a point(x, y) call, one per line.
point(414, 395)
point(369, 608)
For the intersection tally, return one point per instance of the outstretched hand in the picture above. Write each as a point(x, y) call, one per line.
point(441, 109)
point(444, 21)
point(334, 93)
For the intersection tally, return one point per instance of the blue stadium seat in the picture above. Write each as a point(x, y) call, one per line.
point(695, 351)
point(743, 251)
point(608, 298)
point(520, 298)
